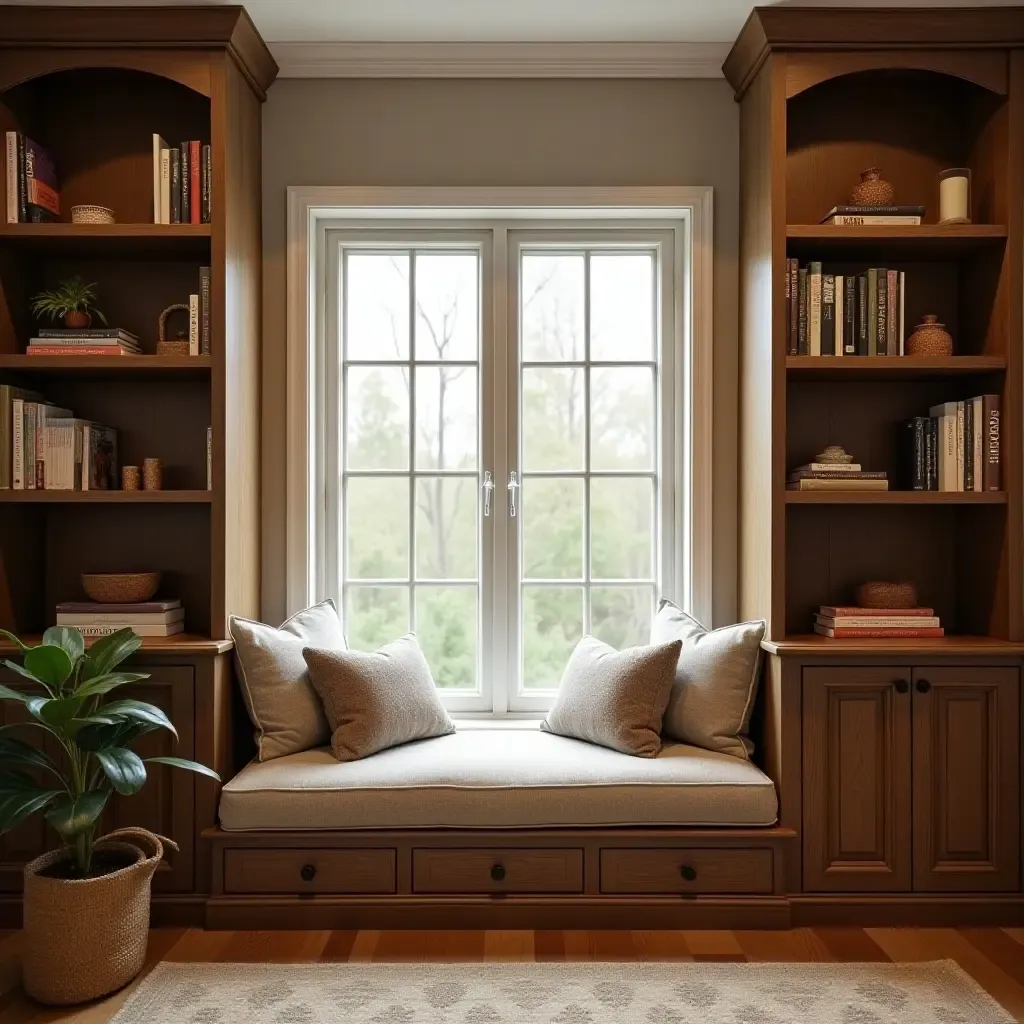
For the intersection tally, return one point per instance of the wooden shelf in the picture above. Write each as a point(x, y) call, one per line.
point(180, 643)
point(895, 497)
point(813, 644)
point(890, 367)
point(921, 242)
point(111, 239)
point(110, 366)
point(106, 497)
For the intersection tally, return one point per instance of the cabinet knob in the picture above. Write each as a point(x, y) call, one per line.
point(689, 873)
point(902, 686)
point(308, 872)
point(498, 873)
point(923, 686)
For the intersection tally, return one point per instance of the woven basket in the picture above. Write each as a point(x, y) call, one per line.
point(171, 346)
point(85, 938)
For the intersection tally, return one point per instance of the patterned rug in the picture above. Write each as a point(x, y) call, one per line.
point(586, 993)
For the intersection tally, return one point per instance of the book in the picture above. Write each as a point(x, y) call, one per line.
point(46, 415)
point(901, 319)
point(840, 298)
point(959, 446)
point(842, 611)
point(881, 310)
point(968, 407)
point(8, 394)
point(946, 415)
point(209, 458)
point(158, 147)
point(121, 618)
point(195, 205)
point(42, 193)
point(892, 344)
point(152, 630)
point(165, 186)
point(828, 314)
point(54, 333)
point(22, 188)
point(878, 621)
point(80, 350)
point(849, 315)
point(992, 426)
point(193, 325)
point(205, 310)
point(877, 634)
point(814, 309)
point(802, 346)
point(11, 176)
point(829, 467)
point(978, 442)
point(931, 453)
point(804, 474)
point(843, 220)
point(849, 210)
point(99, 459)
point(185, 159)
point(862, 314)
point(872, 325)
point(206, 200)
point(917, 475)
point(790, 346)
point(99, 607)
point(175, 185)
point(58, 456)
point(823, 484)
point(31, 420)
point(18, 444)
point(73, 343)
point(793, 306)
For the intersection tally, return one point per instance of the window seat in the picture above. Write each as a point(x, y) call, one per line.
point(495, 779)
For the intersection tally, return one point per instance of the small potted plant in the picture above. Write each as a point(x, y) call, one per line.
point(72, 301)
point(86, 905)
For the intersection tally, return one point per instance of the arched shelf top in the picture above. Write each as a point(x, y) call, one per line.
point(986, 70)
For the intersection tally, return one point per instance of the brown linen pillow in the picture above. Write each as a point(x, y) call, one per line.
point(378, 700)
point(615, 698)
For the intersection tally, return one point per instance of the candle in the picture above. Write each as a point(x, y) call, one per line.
point(955, 196)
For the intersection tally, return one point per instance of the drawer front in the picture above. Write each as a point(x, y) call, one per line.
point(312, 871)
point(497, 871)
point(681, 870)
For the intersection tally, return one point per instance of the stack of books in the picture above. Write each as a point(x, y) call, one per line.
point(31, 182)
point(957, 447)
point(149, 618)
point(876, 623)
point(832, 314)
point(181, 182)
point(92, 341)
point(831, 476)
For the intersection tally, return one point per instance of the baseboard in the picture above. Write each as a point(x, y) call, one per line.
point(892, 911)
point(164, 912)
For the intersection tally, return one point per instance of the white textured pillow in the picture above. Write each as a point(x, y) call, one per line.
point(281, 701)
point(716, 680)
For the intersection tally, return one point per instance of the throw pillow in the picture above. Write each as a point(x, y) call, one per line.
point(615, 698)
point(281, 702)
point(716, 680)
point(378, 700)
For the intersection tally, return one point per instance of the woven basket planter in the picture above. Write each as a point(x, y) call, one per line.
point(85, 938)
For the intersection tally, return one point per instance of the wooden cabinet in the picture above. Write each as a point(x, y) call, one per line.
point(911, 779)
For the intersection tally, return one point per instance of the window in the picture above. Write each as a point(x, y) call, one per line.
point(497, 442)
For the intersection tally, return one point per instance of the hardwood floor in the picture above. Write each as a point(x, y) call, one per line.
point(993, 956)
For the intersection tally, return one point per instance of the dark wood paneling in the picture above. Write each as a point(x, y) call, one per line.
point(497, 871)
point(309, 871)
point(686, 871)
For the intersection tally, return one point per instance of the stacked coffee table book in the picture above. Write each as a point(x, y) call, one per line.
point(852, 623)
point(147, 618)
point(834, 470)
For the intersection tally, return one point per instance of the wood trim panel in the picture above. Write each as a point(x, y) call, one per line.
point(497, 871)
point(686, 871)
point(309, 871)
point(892, 911)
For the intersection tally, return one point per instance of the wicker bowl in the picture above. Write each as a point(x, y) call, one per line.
point(120, 587)
point(886, 595)
point(92, 215)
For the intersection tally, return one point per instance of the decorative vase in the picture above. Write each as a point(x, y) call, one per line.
point(930, 338)
point(76, 320)
point(86, 937)
point(955, 196)
point(872, 190)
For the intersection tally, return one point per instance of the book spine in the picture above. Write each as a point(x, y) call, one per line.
point(841, 611)
point(862, 314)
point(186, 181)
point(947, 465)
point(827, 474)
point(31, 423)
point(158, 144)
point(918, 472)
point(193, 325)
point(119, 619)
point(959, 447)
point(992, 475)
point(901, 322)
point(854, 220)
point(79, 442)
point(86, 456)
point(793, 274)
point(206, 211)
point(879, 622)
point(968, 444)
point(978, 442)
point(933, 449)
point(878, 634)
point(840, 348)
point(11, 177)
point(175, 186)
point(814, 309)
point(881, 310)
point(205, 312)
point(18, 444)
point(872, 324)
point(828, 314)
point(802, 313)
point(892, 345)
point(168, 630)
point(849, 315)
point(22, 182)
point(790, 346)
point(209, 458)
point(165, 186)
point(195, 205)
point(5, 437)
point(41, 449)
point(78, 350)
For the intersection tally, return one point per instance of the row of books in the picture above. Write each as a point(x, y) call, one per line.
point(31, 182)
point(876, 623)
point(148, 618)
point(45, 447)
point(182, 180)
point(957, 446)
point(844, 314)
point(829, 476)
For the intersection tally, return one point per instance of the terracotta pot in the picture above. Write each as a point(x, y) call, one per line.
point(873, 190)
point(930, 338)
point(76, 320)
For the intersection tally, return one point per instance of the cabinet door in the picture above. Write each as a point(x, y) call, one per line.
point(966, 779)
point(856, 779)
point(166, 804)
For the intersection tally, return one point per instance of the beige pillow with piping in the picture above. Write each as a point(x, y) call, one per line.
point(281, 701)
point(615, 698)
point(377, 700)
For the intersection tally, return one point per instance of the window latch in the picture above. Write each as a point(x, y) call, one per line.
point(488, 487)
point(513, 486)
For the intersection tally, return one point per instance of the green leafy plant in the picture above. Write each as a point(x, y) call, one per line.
point(70, 296)
point(68, 698)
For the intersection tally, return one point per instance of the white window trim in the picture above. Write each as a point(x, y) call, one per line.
point(312, 210)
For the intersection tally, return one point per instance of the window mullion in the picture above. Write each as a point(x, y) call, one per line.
point(586, 443)
point(412, 439)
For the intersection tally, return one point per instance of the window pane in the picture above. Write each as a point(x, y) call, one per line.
point(377, 306)
point(622, 418)
point(552, 620)
point(446, 432)
point(377, 528)
point(552, 420)
point(446, 528)
point(621, 528)
point(621, 616)
point(551, 307)
point(375, 616)
point(377, 418)
point(446, 627)
point(552, 518)
point(447, 305)
point(622, 306)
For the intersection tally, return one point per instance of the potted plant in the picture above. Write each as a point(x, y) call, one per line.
point(86, 905)
point(72, 300)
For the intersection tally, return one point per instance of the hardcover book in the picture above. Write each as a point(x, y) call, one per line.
point(992, 468)
point(828, 314)
point(205, 313)
point(849, 315)
point(99, 458)
point(873, 211)
point(841, 611)
point(97, 607)
point(878, 634)
point(814, 308)
point(42, 192)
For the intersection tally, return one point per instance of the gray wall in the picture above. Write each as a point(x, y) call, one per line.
point(350, 132)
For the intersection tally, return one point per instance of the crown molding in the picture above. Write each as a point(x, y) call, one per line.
point(500, 60)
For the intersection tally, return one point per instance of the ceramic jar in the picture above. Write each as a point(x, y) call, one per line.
point(930, 338)
point(872, 190)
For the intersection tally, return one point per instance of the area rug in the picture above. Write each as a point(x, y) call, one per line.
point(557, 993)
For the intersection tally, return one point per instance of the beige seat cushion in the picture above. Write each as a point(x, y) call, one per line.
point(494, 778)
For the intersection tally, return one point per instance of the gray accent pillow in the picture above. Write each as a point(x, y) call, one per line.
point(716, 680)
point(280, 699)
point(615, 698)
point(378, 700)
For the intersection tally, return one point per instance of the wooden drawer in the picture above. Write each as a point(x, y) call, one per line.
point(462, 870)
point(681, 870)
point(313, 871)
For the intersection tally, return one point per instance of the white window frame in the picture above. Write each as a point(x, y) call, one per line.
point(317, 214)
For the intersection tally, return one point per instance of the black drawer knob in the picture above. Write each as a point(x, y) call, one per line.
point(923, 686)
point(689, 873)
point(902, 686)
point(498, 873)
point(308, 872)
